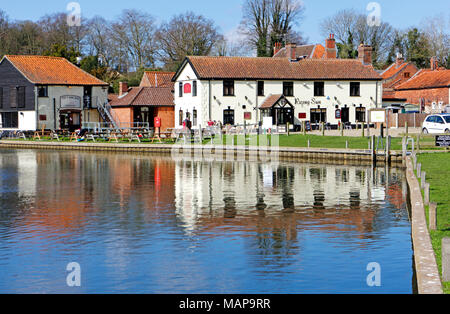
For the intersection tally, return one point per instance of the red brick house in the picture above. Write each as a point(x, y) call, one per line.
point(153, 98)
point(396, 74)
point(428, 88)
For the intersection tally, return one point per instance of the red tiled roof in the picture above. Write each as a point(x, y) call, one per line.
point(427, 79)
point(281, 68)
point(145, 96)
point(157, 79)
point(310, 51)
point(52, 71)
point(393, 70)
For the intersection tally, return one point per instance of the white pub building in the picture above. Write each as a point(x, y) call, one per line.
point(292, 89)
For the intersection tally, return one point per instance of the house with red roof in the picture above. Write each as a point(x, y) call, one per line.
point(141, 105)
point(38, 92)
point(394, 75)
point(238, 90)
point(428, 88)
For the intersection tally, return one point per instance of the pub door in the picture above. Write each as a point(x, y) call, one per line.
point(345, 115)
point(70, 121)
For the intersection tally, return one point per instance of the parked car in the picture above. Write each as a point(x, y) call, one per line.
point(437, 124)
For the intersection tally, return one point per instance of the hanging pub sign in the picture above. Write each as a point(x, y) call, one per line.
point(338, 113)
point(443, 141)
point(247, 115)
point(187, 88)
point(308, 126)
point(70, 102)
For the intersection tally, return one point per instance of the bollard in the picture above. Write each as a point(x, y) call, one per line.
point(446, 259)
point(419, 169)
point(309, 144)
point(433, 216)
point(363, 129)
point(288, 128)
point(427, 194)
point(346, 144)
point(404, 148)
point(323, 129)
point(423, 177)
point(406, 128)
point(304, 127)
point(342, 129)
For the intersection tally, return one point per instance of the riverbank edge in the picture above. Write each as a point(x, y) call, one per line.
point(428, 277)
point(363, 155)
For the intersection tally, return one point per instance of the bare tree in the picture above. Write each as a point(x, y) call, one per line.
point(266, 22)
point(351, 29)
point(134, 33)
point(186, 35)
point(437, 32)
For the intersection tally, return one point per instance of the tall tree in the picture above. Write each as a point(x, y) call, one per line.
point(266, 22)
point(135, 32)
point(186, 34)
point(418, 48)
point(436, 30)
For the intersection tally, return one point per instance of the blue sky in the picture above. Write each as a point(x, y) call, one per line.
point(227, 13)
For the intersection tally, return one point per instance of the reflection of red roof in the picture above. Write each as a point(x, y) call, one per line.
point(52, 71)
point(427, 79)
point(145, 96)
point(280, 68)
point(157, 79)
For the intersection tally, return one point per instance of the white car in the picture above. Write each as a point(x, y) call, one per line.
point(437, 123)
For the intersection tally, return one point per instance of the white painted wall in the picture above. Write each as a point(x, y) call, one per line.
point(246, 99)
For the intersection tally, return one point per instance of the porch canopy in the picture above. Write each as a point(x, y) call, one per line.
point(279, 108)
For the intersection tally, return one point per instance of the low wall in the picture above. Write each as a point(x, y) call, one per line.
point(290, 153)
point(428, 278)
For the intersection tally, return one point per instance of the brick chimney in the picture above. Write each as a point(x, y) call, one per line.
point(277, 48)
point(365, 54)
point(291, 51)
point(434, 63)
point(123, 88)
point(400, 60)
point(330, 47)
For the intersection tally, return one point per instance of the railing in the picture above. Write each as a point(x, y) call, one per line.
point(108, 114)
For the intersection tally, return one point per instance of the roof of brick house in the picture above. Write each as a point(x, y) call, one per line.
point(157, 79)
point(145, 96)
point(426, 79)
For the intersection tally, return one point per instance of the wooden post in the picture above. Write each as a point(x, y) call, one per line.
point(418, 142)
point(342, 129)
point(404, 148)
point(433, 216)
point(346, 144)
point(323, 128)
point(419, 169)
point(304, 127)
point(388, 149)
point(446, 259)
point(200, 133)
point(374, 152)
point(423, 177)
point(426, 193)
point(406, 128)
point(287, 128)
point(363, 129)
point(309, 143)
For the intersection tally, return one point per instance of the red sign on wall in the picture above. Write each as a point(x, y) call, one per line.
point(187, 88)
point(157, 122)
point(302, 115)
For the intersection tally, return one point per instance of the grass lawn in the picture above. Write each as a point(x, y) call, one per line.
point(437, 167)
point(316, 141)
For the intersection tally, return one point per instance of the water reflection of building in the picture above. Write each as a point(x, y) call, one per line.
point(208, 195)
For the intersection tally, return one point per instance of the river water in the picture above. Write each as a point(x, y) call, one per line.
point(154, 224)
